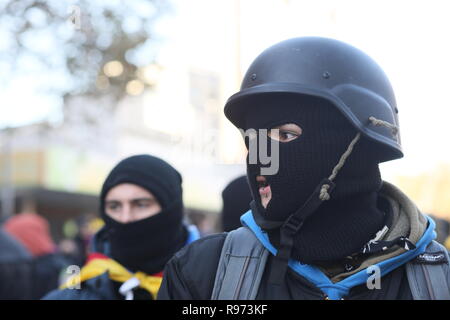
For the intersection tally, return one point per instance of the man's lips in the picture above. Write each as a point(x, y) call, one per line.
point(264, 191)
point(263, 186)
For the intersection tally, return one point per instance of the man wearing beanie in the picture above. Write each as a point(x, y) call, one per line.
point(322, 223)
point(141, 204)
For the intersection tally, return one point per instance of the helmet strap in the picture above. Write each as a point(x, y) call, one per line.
point(295, 221)
point(290, 227)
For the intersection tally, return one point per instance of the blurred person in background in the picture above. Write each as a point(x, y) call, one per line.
point(323, 224)
point(78, 234)
point(47, 265)
point(15, 268)
point(88, 226)
point(70, 249)
point(236, 198)
point(141, 204)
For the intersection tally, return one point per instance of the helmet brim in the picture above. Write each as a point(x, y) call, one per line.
point(236, 109)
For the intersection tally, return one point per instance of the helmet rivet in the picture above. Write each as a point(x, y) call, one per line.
point(253, 77)
point(326, 75)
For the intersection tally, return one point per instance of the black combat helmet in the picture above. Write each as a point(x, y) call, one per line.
point(330, 69)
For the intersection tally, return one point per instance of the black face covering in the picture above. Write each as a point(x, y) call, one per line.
point(304, 163)
point(146, 245)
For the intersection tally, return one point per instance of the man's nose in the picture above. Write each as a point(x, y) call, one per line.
point(126, 216)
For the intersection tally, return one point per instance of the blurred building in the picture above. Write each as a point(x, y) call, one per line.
point(60, 167)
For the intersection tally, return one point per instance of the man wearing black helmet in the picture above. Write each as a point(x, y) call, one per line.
point(323, 224)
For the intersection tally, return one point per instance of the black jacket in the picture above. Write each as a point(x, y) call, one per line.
point(46, 273)
point(15, 269)
point(23, 276)
point(97, 288)
point(190, 275)
point(102, 287)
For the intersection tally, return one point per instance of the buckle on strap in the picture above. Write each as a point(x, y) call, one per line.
point(288, 230)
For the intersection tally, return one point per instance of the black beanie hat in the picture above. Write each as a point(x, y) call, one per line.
point(148, 172)
point(236, 201)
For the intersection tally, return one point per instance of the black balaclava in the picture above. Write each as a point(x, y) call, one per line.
point(146, 245)
point(342, 225)
point(236, 201)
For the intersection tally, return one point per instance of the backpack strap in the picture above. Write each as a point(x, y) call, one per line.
point(240, 267)
point(429, 274)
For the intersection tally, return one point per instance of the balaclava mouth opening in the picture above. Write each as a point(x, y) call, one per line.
point(343, 224)
point(146, 245)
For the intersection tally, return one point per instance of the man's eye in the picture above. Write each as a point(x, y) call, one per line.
point(143, 204)
point(282, 136)
point(287, 135)
point(113, 206)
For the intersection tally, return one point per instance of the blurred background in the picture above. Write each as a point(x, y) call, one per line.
point(84, 84)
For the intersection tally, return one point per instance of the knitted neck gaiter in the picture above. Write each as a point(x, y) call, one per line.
point(146, 245)
point(339, 228)
point(304, 162)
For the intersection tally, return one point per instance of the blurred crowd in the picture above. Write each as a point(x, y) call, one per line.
point(31, 263)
